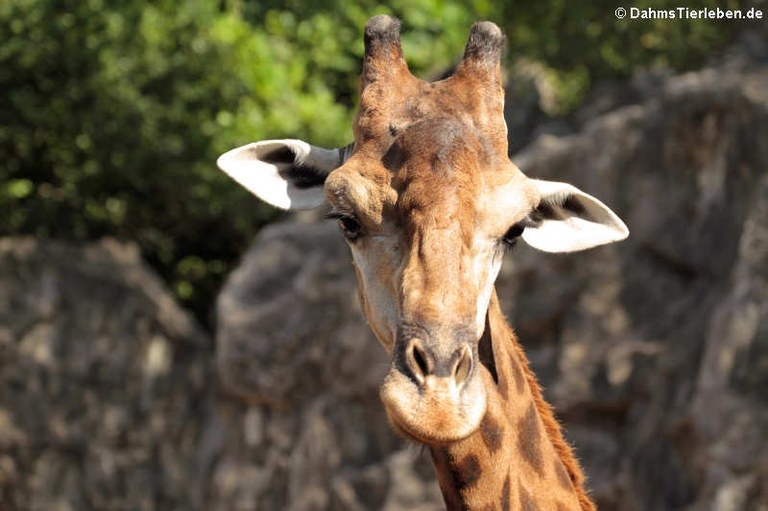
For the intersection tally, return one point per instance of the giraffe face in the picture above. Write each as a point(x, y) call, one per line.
point(416, 203)
point(428, 201)
point(427, 223)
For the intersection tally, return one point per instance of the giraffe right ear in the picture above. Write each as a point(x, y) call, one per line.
point(567, 220)
point(288, 174)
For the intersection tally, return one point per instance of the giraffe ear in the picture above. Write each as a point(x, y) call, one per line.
point(567, 220)
point(288, 174)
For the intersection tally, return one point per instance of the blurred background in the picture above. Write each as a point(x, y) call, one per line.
point(168, 342)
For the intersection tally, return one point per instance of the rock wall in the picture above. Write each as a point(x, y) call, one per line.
point(105, 383)
point(654, 350)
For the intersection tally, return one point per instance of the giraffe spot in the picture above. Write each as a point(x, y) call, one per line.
point(445, 480)
point(518, 376)
point(505, 495)
point(526, 501)
point(562, 475)
point(529, 439)
point(393, 159)
point(491, 432)
point(467, 472)
point(503, 387)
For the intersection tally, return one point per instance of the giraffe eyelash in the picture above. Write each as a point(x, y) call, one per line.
point(510, 238)
point(348, 223)
point(337, 213)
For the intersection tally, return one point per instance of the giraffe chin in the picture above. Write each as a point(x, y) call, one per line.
point(436, 412)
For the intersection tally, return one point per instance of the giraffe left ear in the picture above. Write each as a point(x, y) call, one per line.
point(289, 174)
point(567, 220)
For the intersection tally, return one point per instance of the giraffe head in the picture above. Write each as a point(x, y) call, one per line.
point(428, 202)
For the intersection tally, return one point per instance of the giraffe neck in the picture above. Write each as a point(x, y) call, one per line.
point(518, 458)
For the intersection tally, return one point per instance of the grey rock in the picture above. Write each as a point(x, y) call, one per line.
point(654, 350)
point(103, 380)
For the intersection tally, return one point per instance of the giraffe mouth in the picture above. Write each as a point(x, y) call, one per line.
point(435, 410)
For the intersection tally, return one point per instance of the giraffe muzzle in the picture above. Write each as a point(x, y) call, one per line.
point(434, 395)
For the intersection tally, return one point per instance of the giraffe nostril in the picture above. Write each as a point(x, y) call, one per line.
point(418, 360)
point(463, 367)
point(422, 362)
point(418, 357)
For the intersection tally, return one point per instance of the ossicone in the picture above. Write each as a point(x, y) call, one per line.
point(382, 37)
point(484, 46)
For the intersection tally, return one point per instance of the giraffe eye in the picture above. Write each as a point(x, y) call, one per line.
point(514, 232)
point(350, 227)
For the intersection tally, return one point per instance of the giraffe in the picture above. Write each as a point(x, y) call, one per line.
point(428, 201)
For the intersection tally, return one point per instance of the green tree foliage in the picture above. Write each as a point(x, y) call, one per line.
point(579, 43)
point(112, 113)
point(108, 126)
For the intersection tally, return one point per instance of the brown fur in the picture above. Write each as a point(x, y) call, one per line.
point(492, 434)
point(533, 447)
point(529, 439)
point(552, 426)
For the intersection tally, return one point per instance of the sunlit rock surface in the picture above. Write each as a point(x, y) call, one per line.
point(104, 382)
point(655, 350)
